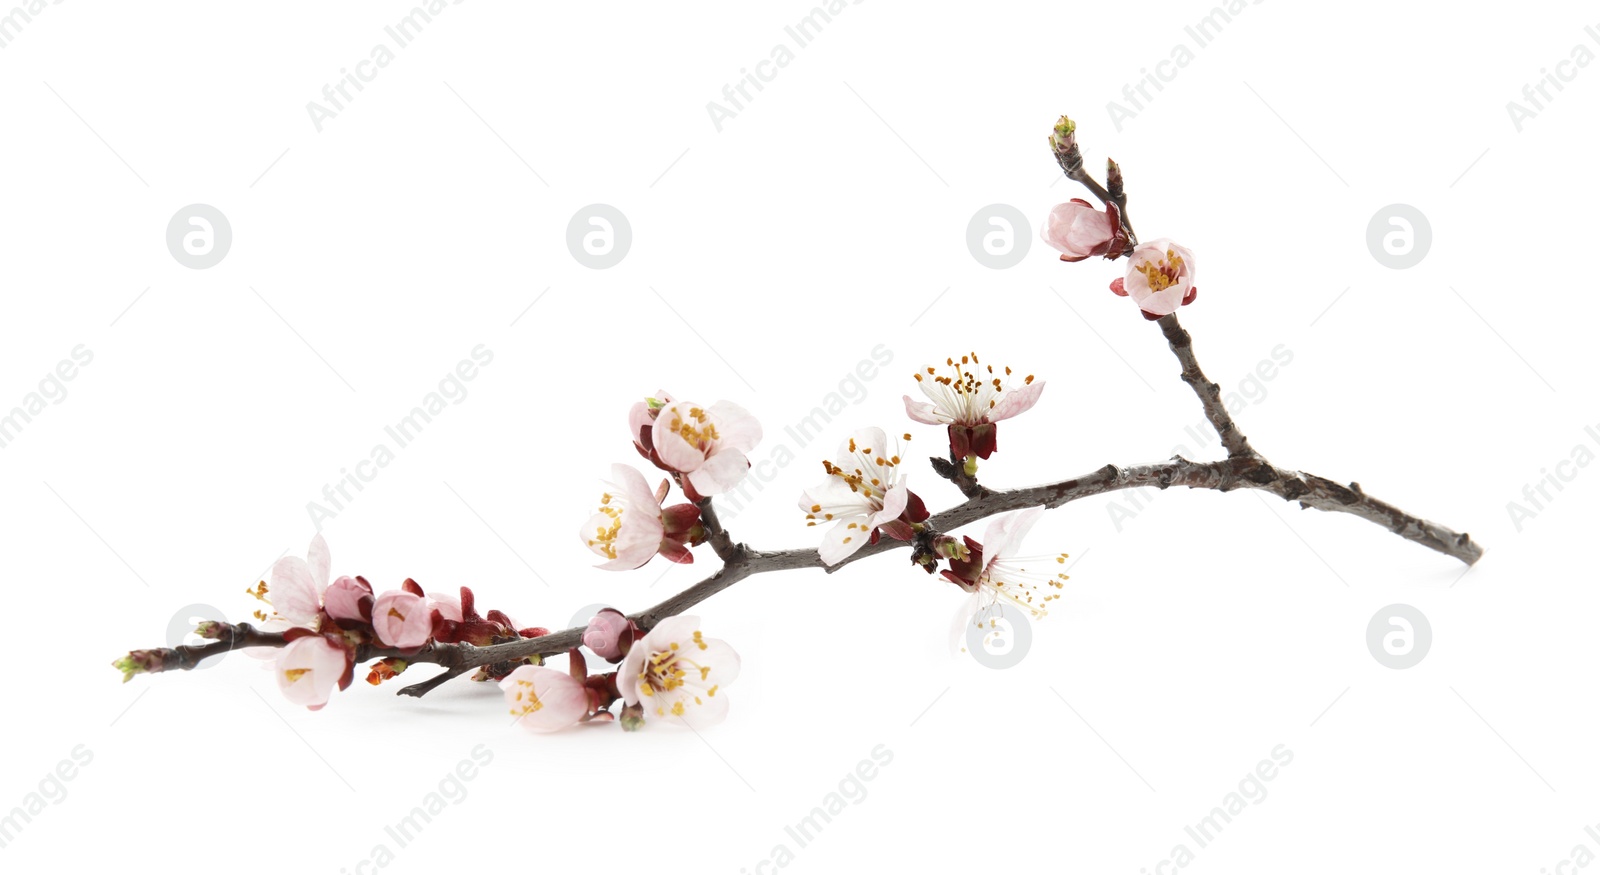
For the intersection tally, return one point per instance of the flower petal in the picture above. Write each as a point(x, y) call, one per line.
point(848, 535)
point(923, 412)
point(543, 699)
point(736, 427)
point(319, 561)
point(294, 597)
point(720, 473)
point(670, 444)
point(1016, 401)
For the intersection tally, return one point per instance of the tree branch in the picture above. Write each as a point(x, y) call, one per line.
point(1210, 394)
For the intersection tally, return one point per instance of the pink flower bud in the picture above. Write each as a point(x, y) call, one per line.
point(402, 620)
point(348, 600)
point(1079, 231)
point(610, 635)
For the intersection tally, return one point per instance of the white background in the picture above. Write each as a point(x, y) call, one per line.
point(768, 259)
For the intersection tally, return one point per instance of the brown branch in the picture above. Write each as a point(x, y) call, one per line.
point(1210, 393)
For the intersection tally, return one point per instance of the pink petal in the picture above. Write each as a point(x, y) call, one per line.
point(319, 561)
point(635, 489)
point(894, 504)
point(402, 620)
point(736, 427)
point(545, 699)
point(923, 412)
point(317, 665)
point(676, 451)
point(293, 595)
point(720, 472)
point(1016, 401)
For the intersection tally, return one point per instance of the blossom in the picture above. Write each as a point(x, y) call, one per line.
point(1160, 278)
point(707, 445)
point(863, 491)
point(993, 571)
point(543, 699)
point(348, 601)
point(309, 668)
point(676, 670)
point(609, 634)
point(403, 620)
point(640, 419)
point(1080, 231)
point(295, 593)
point(631, 526)
point(971, 403)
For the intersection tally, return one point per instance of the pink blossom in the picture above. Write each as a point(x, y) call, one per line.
point(676, 671)
point(402, 620)
point(1160, 278)
point(349, 600)
point(1080, 231)
point(309, 668)
point(609, 635)
point(543, 699)
point(296, 589)
point(970, 402)
point(708, 445)
point(631, 526)
point(628, 528)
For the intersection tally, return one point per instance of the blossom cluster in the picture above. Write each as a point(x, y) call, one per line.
point(328, 624)
point(1160, 275)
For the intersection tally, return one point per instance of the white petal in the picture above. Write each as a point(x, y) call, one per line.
point(846, 537)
